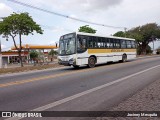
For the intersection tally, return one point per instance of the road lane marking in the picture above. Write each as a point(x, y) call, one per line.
point(89, 91)
point(52, 76)
point(58, 75)
point(67, 99)
point(38, 71)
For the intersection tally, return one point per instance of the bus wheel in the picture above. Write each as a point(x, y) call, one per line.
point(124, 58)
point(76, 66)
point(91, 62)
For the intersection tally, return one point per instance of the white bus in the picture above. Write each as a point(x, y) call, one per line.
point(76, 49)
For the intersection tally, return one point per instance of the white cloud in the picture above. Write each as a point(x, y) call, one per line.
point(120, 13)
point(5, 10)
point(3, 46)
point(79, 6)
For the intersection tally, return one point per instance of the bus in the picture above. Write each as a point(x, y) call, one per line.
point(77, 49)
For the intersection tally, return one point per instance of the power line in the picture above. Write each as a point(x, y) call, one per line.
point(54, 27)
point(62, 15)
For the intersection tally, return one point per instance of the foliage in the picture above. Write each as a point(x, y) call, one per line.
point(119, 34)
point(53, 52)
point(18, 25)
point(87, 29)
point(148, 50)
point(144, 35)
point(34, 54)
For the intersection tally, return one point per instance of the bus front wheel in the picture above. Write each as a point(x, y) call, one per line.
point(76, 66)
point(91, 62)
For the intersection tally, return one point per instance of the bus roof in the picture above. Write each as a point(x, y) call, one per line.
point(96, 35)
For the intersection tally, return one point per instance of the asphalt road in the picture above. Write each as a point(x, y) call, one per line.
point(84, 89)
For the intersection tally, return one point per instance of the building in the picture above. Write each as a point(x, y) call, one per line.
point(12, 55)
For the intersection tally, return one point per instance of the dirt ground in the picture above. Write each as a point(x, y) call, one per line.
point(27, 68)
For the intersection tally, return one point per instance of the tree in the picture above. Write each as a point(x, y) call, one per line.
point(120, 34)
point(87, 29)
point(17, 25)
point(144, 35)
point(52, 53)
point(33, 55)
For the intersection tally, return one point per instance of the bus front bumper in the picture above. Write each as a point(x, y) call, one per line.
point(67, 63)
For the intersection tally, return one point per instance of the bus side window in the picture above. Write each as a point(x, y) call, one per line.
point(103, 43)
point(123, 44)
point(81, 44)
point(100, 42)
point(128, 44)
point(94, 39)
point(133, 45)
point(90, 42)
point(112, 43)
point(107, 43)
point(117, 43)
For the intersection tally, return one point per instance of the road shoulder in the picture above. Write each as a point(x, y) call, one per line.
point(146, 100)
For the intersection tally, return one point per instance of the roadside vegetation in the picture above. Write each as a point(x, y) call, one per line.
point(15, 26)
point(143, 35)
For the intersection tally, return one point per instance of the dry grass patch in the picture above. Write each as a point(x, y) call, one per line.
point(27, 68)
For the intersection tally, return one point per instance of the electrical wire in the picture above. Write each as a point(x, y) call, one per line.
point(62, 15)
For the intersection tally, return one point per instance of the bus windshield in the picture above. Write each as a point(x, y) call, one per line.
point(67, 45)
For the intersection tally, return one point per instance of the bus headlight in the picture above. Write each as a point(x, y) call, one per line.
point(59, 60)
point(72, 61)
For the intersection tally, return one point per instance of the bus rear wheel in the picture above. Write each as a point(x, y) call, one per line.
point(91, 62)
point(124, 58)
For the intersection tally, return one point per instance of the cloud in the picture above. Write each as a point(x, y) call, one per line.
point(3, 47)
point(88, 6)
point(91, 5)
point(5, 10)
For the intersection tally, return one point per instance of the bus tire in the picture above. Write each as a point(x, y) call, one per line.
point(91, 62)
point(124, 58)
point(76, 66)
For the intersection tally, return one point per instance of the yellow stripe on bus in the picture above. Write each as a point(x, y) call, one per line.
point(90, 51)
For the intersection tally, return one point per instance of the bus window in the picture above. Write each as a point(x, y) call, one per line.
point(90, 42)
point(94, 39)
point(117, 43)
point(107, 43)
point(133, 44)
point(128, 44)
point(111, 43)
point(123, 44)
point(103, 43)
point(81, 44)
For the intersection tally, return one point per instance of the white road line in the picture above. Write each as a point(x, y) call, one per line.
point(59, 102)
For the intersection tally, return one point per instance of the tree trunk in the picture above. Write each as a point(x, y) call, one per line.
point(20, 50)
point(20, 58)
point(143, 50)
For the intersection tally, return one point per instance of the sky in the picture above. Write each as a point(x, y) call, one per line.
point(118, 13)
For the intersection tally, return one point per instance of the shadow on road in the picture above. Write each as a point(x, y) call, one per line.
point(98, 65)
